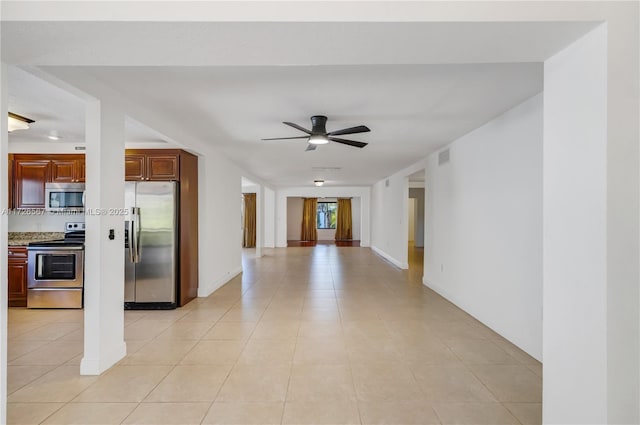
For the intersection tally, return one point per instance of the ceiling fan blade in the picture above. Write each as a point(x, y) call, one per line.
point(286, 138)
point(297, 127)
point(349, 142)
point(311, 147)
point(350, 130)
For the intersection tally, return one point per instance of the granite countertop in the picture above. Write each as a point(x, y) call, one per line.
point(24, 238)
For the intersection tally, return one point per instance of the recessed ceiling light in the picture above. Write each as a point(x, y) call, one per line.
point(53, 135)
point(318, 182)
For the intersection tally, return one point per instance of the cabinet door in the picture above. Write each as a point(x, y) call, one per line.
point(134, 167)
point(17, 282)
point(80, 170)
point(162, 167)
point(30, 178)
point(63, 170)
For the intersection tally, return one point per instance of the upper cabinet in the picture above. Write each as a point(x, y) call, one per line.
point(67, 170)
point(159, 165)
point(134, 167)
point(30, 176)
point(30, 172)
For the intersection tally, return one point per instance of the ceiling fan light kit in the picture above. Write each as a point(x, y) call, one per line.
point(318, 139)
point(318, 182)
point(18, 122)
point(318, 134)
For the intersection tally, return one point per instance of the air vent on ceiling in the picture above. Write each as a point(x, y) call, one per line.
point(443, 157)
point(326, 168)
point(80, 148)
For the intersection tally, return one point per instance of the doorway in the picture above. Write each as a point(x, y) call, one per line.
point(415, 221)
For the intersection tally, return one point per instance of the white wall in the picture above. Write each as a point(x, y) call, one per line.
point(41, 221)
point(362, 193)
point(412, 220)
point(356, 217)
point(575, 233)
point(417, 193)
point(294, 218)
point(269, 218)
point(4, 170)
point(219, 242)
point(483, 247)
point(390, 200)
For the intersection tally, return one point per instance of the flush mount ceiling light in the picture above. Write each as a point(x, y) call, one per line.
point(318, 139)
point(18, 122)
point(318, 182)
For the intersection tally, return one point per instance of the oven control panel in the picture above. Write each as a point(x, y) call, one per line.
point(73, 226)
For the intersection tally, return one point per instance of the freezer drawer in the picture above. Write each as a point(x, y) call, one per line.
point(54, 298)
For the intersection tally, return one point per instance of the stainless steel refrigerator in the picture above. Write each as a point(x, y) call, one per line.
point(150, 245)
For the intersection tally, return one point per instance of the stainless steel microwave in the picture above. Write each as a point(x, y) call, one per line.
point(64, 197)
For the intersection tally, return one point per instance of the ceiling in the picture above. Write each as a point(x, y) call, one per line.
point(415, 91)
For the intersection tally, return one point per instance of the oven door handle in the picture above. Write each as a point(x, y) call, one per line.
point(38, 266)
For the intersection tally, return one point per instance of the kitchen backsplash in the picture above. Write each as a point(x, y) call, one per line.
point(44, 222)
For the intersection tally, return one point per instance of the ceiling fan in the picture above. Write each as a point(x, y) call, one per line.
point(318, 134)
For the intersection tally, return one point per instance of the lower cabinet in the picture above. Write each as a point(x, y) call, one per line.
point(17, 276)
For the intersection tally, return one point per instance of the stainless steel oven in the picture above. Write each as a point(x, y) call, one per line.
point(55, 271)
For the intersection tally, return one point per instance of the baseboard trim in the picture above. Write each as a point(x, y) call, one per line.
point(389, 258)
point(95, 366)
point(204, 292)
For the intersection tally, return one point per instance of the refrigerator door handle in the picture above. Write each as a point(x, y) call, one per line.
point(137, 235)
point(134, 230)
point(131, 247)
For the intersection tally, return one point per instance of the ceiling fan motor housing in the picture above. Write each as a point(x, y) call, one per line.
point(319, 124)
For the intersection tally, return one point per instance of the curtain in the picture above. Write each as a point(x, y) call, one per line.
point(249, 226)
point(343, 225)
point(309, 213)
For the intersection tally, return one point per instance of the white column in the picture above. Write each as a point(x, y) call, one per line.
point(575, 233)
point(104, 258)
point(259, 220)
point(4, 150)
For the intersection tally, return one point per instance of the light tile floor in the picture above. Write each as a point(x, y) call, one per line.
point(320, 335)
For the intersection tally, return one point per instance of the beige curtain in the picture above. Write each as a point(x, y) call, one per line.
point(343, 225)
point(309, 213)
point(249, 232)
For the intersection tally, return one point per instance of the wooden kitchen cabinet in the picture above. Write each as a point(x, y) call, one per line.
point(152, 165)
point(163, 167)
point(134, 167)
point(30, 176)
point(17, 276)
point(67, 170)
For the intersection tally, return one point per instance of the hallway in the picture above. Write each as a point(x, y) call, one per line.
point(305, 335)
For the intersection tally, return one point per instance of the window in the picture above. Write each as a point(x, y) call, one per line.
point(326, 216)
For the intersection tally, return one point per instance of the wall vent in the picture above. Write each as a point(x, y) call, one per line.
point(443, 157)
point(386, 183)
point(80, 148)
